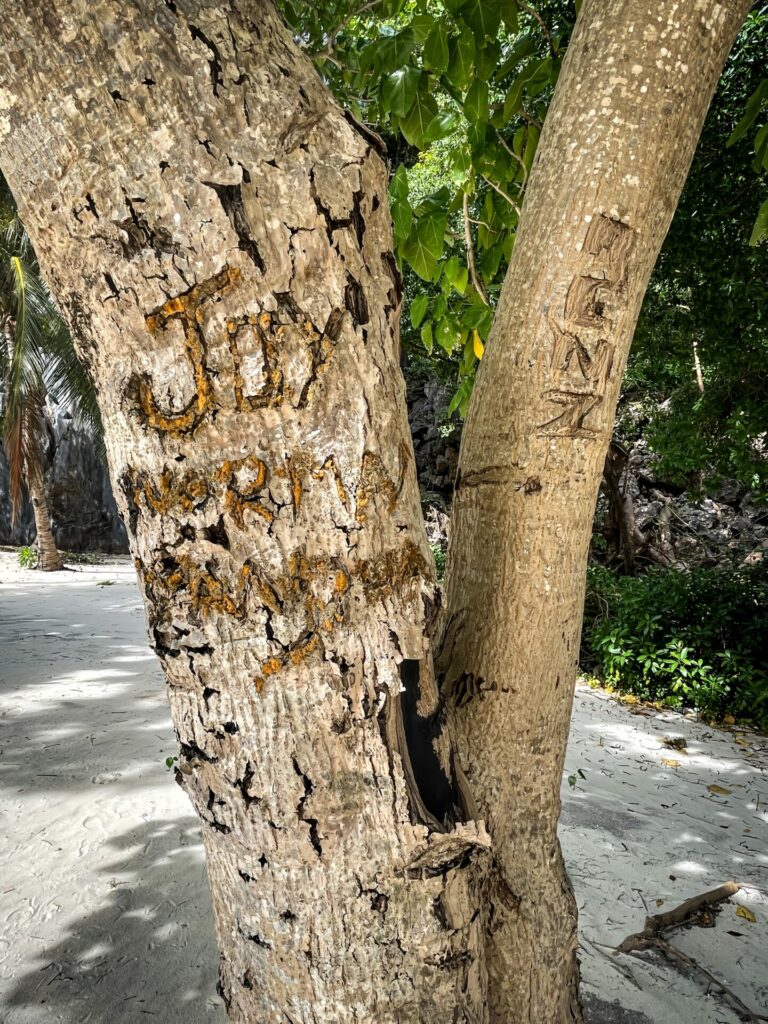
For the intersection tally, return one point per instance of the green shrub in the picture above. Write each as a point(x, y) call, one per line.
point(697, 639)
point(439, 552)
point(27, 558)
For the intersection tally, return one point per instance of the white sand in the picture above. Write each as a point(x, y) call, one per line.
point(104, 913)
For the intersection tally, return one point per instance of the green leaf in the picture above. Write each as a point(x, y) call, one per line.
point(414, 124)
point(477, 318)
point(436, 54)
point(419, 309)
point(487, 60)
point(447, 334)
point(441, 125)
point(514, 97)
point(461, 51)
point(425, 244)
point(421, 26)
point(476, 101)
point(394, 51)
point(427, 337)
point(760, 230)
point(398, 90)
point(402, 218)
point(462, 396)
point(456, 274)
point(524, 47)
point(398, 187)
point(509, 15)
point(483, 17)
point(402, 214)
point(761, 150)
point(754, 106)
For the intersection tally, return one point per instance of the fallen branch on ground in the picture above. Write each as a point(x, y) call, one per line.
point(651, 937)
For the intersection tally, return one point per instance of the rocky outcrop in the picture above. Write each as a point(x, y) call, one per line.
point(83, 508)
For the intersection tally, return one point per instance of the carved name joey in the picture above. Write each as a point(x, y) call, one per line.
point(274, 355)
point(582, 350)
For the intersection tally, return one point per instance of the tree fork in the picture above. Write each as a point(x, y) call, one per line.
point(218, 234)
point(616, 148)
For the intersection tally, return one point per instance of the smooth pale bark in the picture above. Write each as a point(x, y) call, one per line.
point(616, 148)
point(48, 554)
point(219, 236)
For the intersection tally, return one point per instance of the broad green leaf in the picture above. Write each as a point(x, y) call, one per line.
point(431, 231)
point(394, 51)
point(509, 15)
point(761, 150)
point(524, 47)
point(441, 125)
point(421, 26)
point(487, 59)
point(461, 60)
point(514, 97)
point(447, 334)
point(476, 101)
point(398, 187)
point(414, 124)
point(427, 337)
point(460, 400)
point(456, 274)
point(398, 90)
point(436, 48)
point(754, 106)
point(477, 137)
point(425, 244)
point(402, 214)
point(419, 309)
point(460, 163)
point(402, 218)
point(477, 318)
point(760, 230)
point(483, 17)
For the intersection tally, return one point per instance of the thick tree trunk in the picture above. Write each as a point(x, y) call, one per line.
point(49, 559)
point(219, 235)
point(618, 141)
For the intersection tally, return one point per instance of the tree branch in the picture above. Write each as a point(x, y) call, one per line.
point(479, 288)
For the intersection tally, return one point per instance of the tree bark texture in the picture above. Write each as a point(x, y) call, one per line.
point(618, 141)
point(49, 558)
point(218, 233)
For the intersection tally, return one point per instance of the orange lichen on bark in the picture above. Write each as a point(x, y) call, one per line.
point(168, 493)
point(241, 498)
point(374, 479)
point(188, 308)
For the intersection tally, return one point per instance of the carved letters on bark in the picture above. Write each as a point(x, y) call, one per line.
point(580, 366)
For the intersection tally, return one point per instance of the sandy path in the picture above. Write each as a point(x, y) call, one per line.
point(104, 914)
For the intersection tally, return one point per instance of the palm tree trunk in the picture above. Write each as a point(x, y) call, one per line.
point(50, 560)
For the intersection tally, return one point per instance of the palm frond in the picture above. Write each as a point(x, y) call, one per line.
point(37, 356)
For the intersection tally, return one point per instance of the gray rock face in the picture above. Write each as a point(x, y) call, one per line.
point(83, 508)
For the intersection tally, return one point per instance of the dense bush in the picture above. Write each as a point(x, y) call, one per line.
point(697, 639)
